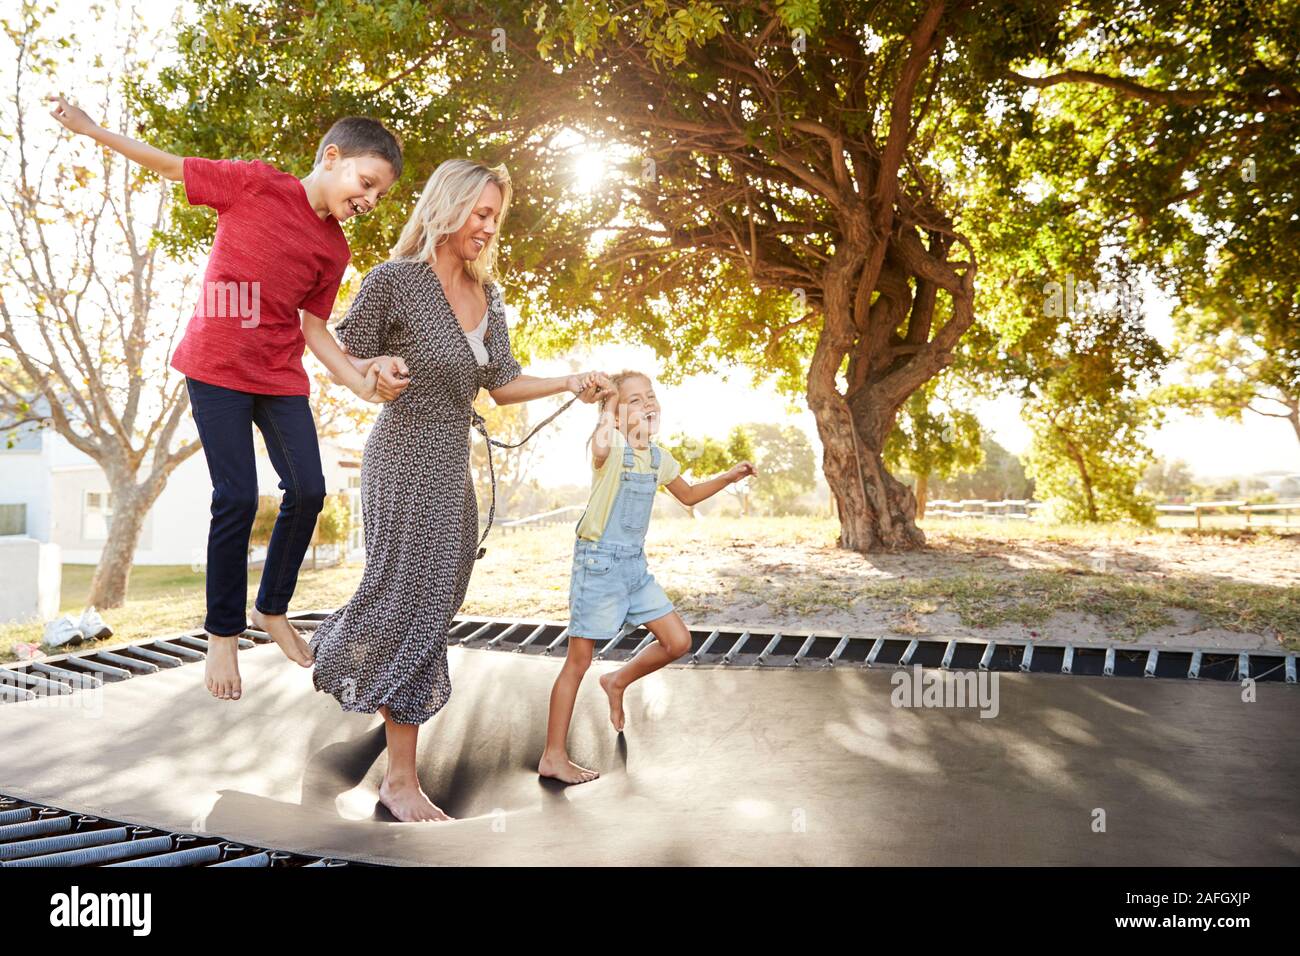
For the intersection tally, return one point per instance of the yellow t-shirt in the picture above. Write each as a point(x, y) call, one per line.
point(604, 482)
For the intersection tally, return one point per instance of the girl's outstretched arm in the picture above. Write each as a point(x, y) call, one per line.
point(692, 494)
point(74, 118)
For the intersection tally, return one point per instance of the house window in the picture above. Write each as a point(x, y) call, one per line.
point(96, 515)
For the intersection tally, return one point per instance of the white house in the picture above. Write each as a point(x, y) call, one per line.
point(51, 491)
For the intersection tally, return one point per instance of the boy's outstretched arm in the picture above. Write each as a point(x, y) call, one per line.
point(74, 118)
point(691, 495)
point(379, 379)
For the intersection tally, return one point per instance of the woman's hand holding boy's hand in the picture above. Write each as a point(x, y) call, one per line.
point(741, 472)
point(394, 376)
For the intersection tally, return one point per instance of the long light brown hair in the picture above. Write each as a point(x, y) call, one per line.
point(445, 205)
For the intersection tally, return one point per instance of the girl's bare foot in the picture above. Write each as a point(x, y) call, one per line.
point(285, 635)
point(408, 802)
point(562, 768)
point(609, 684)
point(221, 668)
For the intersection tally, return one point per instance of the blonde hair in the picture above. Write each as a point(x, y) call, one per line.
point(617, 381)
point(444, 206)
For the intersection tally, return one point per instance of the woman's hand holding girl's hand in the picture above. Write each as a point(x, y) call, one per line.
point(741, 472)
point(589, 386)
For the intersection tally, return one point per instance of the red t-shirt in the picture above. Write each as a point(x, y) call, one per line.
point(272, 256)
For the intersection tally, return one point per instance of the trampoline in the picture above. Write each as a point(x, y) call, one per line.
point(719, 764)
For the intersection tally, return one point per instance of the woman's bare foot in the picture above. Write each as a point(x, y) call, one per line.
point(408, 802)
point(285, 635)
point(221, 668)
point(609, 684)
point(561, 767)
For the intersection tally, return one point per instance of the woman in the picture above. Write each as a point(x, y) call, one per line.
point(433, 303)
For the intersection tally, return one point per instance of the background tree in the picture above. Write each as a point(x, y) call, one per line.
point(514, 466)
point(785, 462)
point(1165, 480)
point(999, 476)
point(702, 458)
point(807, 188)
point(87, 315)
point(929, 441)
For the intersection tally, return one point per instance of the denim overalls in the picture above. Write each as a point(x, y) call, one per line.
point(610, 585)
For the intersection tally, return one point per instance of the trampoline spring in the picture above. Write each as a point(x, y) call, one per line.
point(538, 632)
point(1152, 657)
point(476, 634)
point(189, 857)
point(180, 650)
point(1243, 666)
point(12, 694)
point(771, 646)
point(328, 862)
point(1067, 664)
point(1027, 661)
point(736, 648)
point(839, 649)
point(457, 628)
point(15, 816)
point(645, 642)
point(874, 652)
point(257, 859)
point(69, 678)
point(563, 636)
point(1194, 668)
point(68, 841)
point(106, 671)
point(704, 648)
point(44, 684)
point(99, 854)
point(803, 649)
point(948, 651)
point(609, 645)
point(906, 659)
point(504, 634)
point(132, 664)
point(45, 824)
point(157, 657)
point(986, 658)
point(1290, 668)
point(533, 635)
point(1108, 666)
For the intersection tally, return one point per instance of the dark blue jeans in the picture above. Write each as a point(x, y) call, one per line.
point(225, 420)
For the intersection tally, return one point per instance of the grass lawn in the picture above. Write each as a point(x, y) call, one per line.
point(1086, 584)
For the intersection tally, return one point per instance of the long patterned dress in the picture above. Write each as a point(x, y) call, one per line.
point(388, 644)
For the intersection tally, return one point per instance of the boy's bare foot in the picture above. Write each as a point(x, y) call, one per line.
point(285, 635)
point(409, 803)
point(562, 768)
point(221, 668)
point(615, 693)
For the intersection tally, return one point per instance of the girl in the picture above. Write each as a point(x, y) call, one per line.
point(609, 585)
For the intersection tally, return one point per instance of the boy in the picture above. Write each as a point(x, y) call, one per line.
point(270, 284)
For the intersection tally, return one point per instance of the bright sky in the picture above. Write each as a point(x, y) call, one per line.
point(710, 405)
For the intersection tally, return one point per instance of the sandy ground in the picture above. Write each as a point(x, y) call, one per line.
point(1162, 588)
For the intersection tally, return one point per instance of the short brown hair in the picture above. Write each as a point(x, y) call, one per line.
point(362, 136)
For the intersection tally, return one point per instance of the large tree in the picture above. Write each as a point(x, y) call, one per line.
point(805, 188)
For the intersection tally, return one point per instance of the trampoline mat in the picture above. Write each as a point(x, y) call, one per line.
point(717, 766)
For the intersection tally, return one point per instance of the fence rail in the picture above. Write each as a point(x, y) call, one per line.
point(1011, 509)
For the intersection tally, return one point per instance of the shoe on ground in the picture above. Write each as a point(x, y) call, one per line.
point(63, 632)
point(93, 626)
